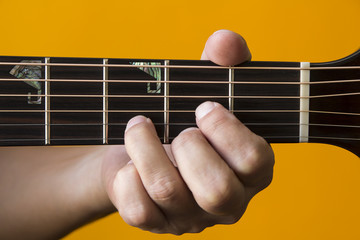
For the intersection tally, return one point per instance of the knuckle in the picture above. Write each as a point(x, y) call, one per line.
point(259, 157)
point(116, 187)
point(253, 161)
point(257, 164)
point(163, 189)
point(137, 216)
point(221, 198)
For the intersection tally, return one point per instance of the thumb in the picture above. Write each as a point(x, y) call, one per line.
point(226, 48)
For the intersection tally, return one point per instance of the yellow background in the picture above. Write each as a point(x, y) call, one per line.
point(316, 189)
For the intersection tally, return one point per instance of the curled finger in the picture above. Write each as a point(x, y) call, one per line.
point(133, 202)
point(214, 185)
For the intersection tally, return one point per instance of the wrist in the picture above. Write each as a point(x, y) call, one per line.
point(91, 190)
point(113, 160)
point(58, 189)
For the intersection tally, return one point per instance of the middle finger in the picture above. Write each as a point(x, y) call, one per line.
point(158, 175)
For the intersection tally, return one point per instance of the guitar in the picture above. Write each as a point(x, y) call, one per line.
point(87, 101)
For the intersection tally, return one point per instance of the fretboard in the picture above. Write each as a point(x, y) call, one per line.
point(74, 101)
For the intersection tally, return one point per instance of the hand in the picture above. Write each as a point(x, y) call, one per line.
point(220, 165)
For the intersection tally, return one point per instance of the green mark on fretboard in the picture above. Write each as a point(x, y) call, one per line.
point(155, 72)
point(29, 72)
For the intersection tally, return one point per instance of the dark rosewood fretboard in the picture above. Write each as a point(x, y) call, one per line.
point(67, 101)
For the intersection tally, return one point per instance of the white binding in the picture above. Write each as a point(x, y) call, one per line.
point(304, 102)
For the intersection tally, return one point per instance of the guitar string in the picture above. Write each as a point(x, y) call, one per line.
point(171, 124)
point(179, 96)
point(202, 67)
point(100, 65)
point(212, 67)
point(169, 111)
point(177, 81)
point(171, 138)
point(197, 82)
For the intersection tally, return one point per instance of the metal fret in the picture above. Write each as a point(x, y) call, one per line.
point(231, 90)
point(47, 102)
point(166, 102)
point(105, 130)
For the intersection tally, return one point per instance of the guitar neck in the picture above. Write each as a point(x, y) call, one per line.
point(76, 101)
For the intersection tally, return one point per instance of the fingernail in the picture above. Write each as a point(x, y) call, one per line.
point(220, 30)
point(204, 109)
point(134, 121)
point(190, 129)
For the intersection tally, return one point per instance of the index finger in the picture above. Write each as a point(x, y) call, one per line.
point(158, 175)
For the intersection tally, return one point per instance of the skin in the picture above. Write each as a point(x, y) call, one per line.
point(46, 192)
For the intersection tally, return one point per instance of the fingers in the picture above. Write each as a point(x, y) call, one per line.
point(159, 176)
point(249, 155)
point(160, 179)
point(226, 48)
point(213, 184)
point(220, 165)
point(151, 194)
point(133, 203)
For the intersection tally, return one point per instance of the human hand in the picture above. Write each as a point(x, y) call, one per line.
point(220, 165)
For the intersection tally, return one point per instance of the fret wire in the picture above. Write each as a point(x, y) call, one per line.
point(170, 138)
point(174, 111)
point(47, 103)
point(177, 66)
point(166, 102)
point(180, 81)
point(183, 96)
point(105, 102)
point(231, 90)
